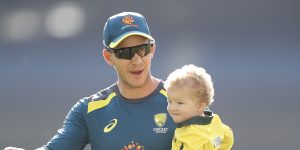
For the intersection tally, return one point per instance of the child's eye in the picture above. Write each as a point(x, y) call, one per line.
point(180, 103)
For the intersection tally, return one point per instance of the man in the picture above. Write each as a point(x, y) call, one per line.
point(131, 113)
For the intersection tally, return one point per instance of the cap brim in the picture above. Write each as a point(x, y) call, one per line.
point(119, 39)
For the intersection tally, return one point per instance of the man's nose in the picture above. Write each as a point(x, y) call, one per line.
point(136, 58)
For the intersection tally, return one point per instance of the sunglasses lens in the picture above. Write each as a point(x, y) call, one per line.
point(128, 53)
point(141, 50)
point(123, 53)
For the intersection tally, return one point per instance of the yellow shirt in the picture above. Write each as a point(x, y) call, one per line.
point(203, 133)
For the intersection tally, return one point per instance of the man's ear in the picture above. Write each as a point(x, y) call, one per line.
point(107, 56)
point(153, 50)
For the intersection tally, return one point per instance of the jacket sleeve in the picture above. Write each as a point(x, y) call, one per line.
point(73, 135)
point(228, 140)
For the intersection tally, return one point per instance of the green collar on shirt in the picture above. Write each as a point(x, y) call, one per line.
point(199, 120)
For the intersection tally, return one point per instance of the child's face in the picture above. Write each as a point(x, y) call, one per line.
point(181, 106)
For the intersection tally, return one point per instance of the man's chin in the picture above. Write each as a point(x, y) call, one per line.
point(138, 83)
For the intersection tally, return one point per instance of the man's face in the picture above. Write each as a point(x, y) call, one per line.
point(134, 72)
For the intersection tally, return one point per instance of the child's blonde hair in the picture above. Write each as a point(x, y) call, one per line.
point(196, 79)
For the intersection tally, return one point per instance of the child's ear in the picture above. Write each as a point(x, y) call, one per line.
point(107, 56)
point(202, 106)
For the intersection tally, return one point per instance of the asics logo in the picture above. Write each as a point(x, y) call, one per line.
point(110, 126)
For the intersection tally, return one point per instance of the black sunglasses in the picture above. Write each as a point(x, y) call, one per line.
point(129, 52)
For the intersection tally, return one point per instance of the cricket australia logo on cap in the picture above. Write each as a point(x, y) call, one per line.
point(129, 20)
point(160, 120)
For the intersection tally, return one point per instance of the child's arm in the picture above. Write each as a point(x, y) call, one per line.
point(228, 140)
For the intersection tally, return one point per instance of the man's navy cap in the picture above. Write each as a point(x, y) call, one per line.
point(122, 25)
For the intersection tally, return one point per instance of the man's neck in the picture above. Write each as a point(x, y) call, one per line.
point(139, 92)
